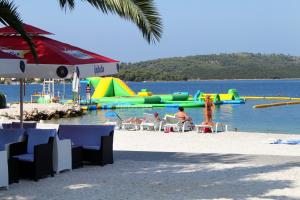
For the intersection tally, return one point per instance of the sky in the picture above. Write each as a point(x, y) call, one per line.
point(191, 27)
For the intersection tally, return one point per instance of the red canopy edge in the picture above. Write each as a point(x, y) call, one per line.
point(31, 30)
point(51, 51)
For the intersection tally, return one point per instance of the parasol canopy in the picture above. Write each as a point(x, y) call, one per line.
point(56, 59)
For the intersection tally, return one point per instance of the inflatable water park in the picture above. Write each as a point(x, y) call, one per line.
point(113, 93)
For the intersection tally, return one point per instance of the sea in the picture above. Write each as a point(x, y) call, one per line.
point(239, 117)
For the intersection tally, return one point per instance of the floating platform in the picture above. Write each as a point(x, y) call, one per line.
point(276, 104)
point(270, 98)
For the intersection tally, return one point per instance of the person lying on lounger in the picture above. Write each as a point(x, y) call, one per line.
point(134, 120)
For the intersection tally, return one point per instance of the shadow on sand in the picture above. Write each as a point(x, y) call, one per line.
point(168, 175)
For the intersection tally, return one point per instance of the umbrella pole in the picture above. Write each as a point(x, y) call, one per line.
point(21, 102)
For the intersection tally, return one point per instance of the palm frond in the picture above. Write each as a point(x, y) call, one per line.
point(67, 4)
point(9, 16)
point(141, 12)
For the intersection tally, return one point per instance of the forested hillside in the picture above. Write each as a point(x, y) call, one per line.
point(216, 66)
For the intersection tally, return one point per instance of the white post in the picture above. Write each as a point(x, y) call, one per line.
point(21, 101)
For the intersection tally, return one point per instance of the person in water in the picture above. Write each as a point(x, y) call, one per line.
point(208, 111)
point(182, 116)
point(88, 94)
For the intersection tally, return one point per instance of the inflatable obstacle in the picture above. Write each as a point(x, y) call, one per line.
point(232, 97)
point(113, 93)
point(90, 107)
point(109, 87)
point(144, 93)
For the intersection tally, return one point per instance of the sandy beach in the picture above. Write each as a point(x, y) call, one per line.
point(156, 165)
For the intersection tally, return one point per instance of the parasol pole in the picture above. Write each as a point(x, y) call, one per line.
point(21, 102)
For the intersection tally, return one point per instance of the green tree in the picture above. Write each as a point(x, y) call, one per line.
point(221, 66)
point(141, 12)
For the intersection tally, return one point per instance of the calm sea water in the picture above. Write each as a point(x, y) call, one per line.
point(283, 119)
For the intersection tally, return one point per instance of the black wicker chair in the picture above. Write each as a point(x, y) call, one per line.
point(26, 125)
point(96, 141)
point(7, 138)
point(18, 125)
point(6, 125)
point(34, 155)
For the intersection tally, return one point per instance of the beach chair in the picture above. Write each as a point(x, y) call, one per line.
point(151, 122)
point(8, 137)
point(35, 154)
point(115, 120)
point(25, 125)
point(62, 149)
point(6, 125)
point(18, 125)
point(3, 169)
point(96, 141)
point(217, 127)
point(174, 123)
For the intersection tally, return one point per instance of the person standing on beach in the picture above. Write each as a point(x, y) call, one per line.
point(88, 93)
point(208, 110)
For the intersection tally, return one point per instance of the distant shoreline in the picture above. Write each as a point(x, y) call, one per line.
point(190, 80)
point(245, 79)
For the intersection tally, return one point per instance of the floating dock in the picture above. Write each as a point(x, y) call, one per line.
point(276, 104)
point(270, 98)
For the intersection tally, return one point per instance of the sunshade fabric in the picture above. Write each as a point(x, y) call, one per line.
point(31, 30)
point(53, 54)
point(57, 59)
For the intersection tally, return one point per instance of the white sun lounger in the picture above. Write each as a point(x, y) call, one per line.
point(218, 127)
point(151, 122)
point(176, 124)
point(118, 122)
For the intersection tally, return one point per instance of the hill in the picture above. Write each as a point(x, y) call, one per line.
point(215, 66)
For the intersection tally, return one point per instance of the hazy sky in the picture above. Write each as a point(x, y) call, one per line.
point(191, 27)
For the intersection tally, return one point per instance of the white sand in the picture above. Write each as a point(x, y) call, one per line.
point(152, 165)
point(192, 142)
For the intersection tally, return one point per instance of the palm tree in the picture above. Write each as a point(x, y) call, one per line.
point(141, 12)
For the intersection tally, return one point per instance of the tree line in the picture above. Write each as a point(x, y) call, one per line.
point(215, 66)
